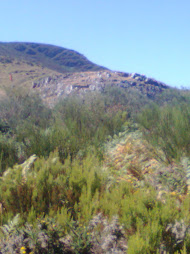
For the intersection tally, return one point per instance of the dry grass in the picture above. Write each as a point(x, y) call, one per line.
point(23, 74)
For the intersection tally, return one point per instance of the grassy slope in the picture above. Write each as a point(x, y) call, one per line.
point(49, 56)
point(23, 75)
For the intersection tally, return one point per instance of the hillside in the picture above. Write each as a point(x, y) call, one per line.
point(49, 56)
point(92, 179)
point(55, 72)
point(92, 161)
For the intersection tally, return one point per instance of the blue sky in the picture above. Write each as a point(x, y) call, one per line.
point(151, 37)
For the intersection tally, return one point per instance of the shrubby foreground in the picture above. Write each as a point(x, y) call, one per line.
point(71, 197)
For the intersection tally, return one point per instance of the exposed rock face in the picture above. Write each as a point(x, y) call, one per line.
point(52, 88)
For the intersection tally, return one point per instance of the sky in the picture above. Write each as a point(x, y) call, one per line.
point(150, 37)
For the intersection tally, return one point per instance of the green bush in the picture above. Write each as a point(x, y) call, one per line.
point(8, 152)
point(20, 106)
point(168, 128)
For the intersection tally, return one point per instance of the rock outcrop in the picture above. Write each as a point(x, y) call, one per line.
point(51, 88)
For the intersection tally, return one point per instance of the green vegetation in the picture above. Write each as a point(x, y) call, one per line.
point(71, 197)
point(167, 127)
point(49, 56)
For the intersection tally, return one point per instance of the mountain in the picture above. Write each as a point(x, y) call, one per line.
point(55, 72)
point(104, 170)
point(49, 56)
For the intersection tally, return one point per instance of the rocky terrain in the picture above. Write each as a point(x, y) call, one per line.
point(54, 87)
point(56, 72)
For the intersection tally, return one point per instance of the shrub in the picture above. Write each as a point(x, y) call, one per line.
point(168, 128)
point(8, 152)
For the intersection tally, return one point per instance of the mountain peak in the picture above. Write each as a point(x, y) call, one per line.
point(53, 57)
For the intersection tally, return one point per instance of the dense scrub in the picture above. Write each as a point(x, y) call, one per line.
point(73, 194)
point(72, 126)
point(76, 123)
point(167, 127)
point(68, 198)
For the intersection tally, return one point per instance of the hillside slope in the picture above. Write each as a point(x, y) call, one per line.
point(49, 56)
point(54, 72)
point(106, 170)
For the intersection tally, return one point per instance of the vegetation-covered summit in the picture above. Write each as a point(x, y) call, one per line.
point(52, 57)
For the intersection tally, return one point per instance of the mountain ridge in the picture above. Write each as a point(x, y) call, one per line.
point(54, 57)
point(54, 71)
